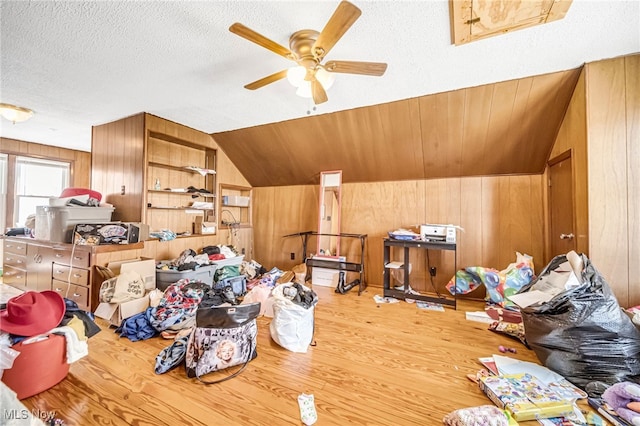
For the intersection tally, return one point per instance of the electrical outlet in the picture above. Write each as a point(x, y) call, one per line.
point(432, 271)
point(293, 256)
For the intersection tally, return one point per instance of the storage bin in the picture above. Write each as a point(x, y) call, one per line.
point(41, 365)
point(56, 224)
point(164, 278)
point(238, 284)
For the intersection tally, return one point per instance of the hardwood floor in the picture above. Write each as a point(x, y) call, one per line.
point(391, 364)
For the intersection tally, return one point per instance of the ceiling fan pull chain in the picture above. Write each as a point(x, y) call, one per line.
point(311, 107)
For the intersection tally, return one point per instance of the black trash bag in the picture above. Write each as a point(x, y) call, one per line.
point(582, 333)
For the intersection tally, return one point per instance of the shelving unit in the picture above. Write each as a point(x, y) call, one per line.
point(404, 293)
point(178, 165)
point(235, 205)
point(342, 266)
point(128, 154)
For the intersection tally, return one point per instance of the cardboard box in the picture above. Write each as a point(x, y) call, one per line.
point(145, 266)
point(115, 313)
point(202, 227)
point(325, 277)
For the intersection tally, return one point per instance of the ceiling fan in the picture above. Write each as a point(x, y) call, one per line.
point(308, 49)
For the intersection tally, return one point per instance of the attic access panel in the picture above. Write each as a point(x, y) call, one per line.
point(477, 19)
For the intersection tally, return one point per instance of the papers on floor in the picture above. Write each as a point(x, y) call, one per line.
point(557, 382)
point(381, 299)
point(429, 306)
point(479, 316)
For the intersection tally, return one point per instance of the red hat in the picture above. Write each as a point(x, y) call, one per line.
point(32, 313)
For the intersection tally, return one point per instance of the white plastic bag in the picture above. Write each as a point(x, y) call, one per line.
point(292, 324)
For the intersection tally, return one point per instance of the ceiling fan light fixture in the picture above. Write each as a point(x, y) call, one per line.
point(325, 78)
point(296, 75)
point(304, 90)
point(15, 114)
point(308, 48)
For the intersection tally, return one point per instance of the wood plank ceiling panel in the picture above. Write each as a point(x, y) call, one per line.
point(495, 129)
point(384, 140)
point(500, 121)
point(475, 122)
point(442, 134)
point(540, 122)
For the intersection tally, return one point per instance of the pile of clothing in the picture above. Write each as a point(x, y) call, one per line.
point(189, 260)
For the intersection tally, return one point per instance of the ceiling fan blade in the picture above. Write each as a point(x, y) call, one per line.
point(341, 20)
point(318, 92)
point(266, 80)
point(261, 40)
point(355, 67)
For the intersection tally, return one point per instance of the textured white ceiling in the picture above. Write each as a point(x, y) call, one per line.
point(84, 63)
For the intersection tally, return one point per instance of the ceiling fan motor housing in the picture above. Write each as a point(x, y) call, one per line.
point(301, 44)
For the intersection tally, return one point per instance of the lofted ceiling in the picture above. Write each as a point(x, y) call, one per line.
point(494, 129)
point(82, 63)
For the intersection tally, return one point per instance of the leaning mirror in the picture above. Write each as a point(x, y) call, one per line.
point(329, 214)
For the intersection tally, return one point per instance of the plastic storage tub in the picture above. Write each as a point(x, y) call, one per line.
point(56, 224)
point(164, 278)
point(41, 365)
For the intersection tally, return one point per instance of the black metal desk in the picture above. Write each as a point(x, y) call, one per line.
point(342, 266)
point(415, 244)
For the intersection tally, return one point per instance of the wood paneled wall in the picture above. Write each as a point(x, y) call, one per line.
point(500, 215)
point(117, 162)
point(80, 160)
point(613, 135)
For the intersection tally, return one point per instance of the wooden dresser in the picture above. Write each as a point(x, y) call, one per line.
point(68, 269)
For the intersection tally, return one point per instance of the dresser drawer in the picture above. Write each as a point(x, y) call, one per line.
point(14, 277)
point(78, 294)
point(12, 259)
point(68, 274)
point(80, 258)
point(15, 247)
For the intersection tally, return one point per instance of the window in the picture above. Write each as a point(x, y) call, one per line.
point(36, 181)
